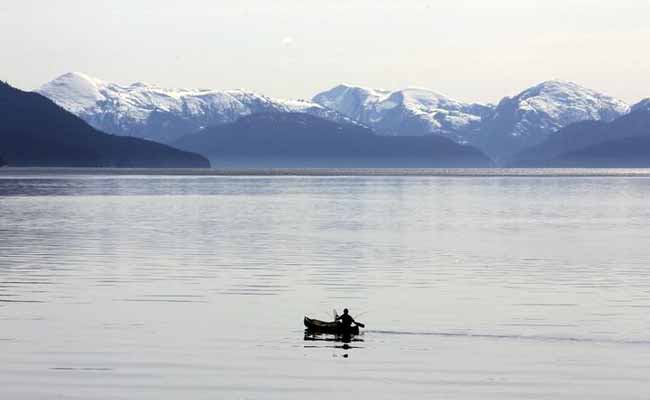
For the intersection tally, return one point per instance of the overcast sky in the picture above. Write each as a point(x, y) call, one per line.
point(473, 50)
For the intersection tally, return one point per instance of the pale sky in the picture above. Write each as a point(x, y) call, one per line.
point(471, 50)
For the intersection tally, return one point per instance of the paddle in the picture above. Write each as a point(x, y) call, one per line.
point(360, 324)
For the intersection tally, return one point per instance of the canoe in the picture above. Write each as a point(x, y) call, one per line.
point(333, 328)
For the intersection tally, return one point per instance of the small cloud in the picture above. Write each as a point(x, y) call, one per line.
point(287, 41)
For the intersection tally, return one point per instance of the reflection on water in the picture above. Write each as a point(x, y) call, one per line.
point(345, 342)
point(344, 339)
point(472, 287)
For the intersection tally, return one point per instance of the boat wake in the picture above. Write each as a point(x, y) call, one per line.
point(539, 338)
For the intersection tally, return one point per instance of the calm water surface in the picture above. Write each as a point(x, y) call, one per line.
point(472, 287)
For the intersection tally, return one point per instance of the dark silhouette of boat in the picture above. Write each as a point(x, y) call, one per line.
point(332, 328)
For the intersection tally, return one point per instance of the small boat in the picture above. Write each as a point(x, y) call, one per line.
point(333, 328)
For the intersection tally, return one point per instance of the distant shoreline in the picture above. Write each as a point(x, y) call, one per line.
point(8, 172)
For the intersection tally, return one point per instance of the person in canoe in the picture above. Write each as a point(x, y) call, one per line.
point(347, 320)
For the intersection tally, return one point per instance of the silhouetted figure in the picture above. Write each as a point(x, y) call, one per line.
point(346, 319)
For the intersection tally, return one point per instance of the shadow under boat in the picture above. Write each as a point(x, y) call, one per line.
point(346, 340)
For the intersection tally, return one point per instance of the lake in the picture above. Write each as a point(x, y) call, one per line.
point(491, 284)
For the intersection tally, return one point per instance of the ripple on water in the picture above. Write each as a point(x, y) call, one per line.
point(515, 286)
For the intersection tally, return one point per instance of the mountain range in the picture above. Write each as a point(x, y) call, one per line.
point(513, 124)
point(298, 140)
point(161, 114)
point(408, 112)
point(538, 113)
point(501, 131)
point(36, 132)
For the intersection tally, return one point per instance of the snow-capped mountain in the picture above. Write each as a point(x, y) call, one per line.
point(531, 116)
point(407, 112)
point(161, 114)
point(515, 123)
point(164, 115)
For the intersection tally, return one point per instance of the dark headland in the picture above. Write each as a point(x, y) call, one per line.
point(36, 132)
